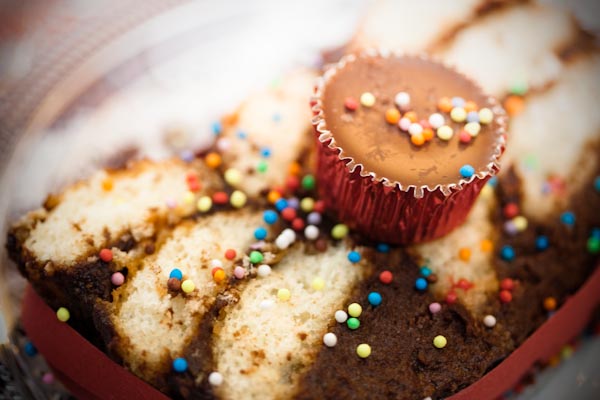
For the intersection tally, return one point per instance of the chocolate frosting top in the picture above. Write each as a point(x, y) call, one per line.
point(385, 150)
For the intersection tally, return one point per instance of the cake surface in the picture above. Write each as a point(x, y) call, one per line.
point(231, 263)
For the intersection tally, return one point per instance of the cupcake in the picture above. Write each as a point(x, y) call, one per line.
point(404, 145)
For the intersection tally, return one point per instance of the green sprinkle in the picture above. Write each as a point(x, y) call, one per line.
point(262, 166)
point(593, 245)
point(339, 231)
point(353, 323)
point(308, 182)
point(519, 88)
point(256, 257)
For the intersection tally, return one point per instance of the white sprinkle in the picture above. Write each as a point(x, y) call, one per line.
point(404, 124)
point(341, 316)
point(329, 339)
point(436, 120)
point(223, 144)
point(282, 242)
point(427, 398)
point(266, 304)
point(402, 99)
point(215, 379)
point(216, 263)
point(415, 129)
point(489, 321)
point(263, 270)
point(290, 234)
point(311, 232)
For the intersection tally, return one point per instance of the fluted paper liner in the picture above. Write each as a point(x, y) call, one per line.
point(391, 211)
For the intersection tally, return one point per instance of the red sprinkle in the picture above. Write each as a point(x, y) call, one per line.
point(350, 103)
point(292, 183)
point(288, 213)
point(510, 210)
point(464, 137)
point(230, 254)
point(507, 284)
point(319, 206)
point(386, 277)
point(451, 298)
point(505, 296)
point(464, 284)
point(106, 255)
point(190, 177)
point(298, 224)
point(194, 185)
point(220, 198)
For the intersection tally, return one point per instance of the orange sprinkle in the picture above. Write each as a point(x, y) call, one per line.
point(392, 116)
point(411, 115)
point(213, 160)
point(427, 134)
point(107, 185)
point(470, 106)
point(273, 196)
point(219, 276)
point(514, 105)
point(294, 168)
point(445, 104)
point(417, 140)
point(487, 245)
point(549, 304)
point(464, 253)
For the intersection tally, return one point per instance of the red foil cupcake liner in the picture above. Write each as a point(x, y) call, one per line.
point(385, 210)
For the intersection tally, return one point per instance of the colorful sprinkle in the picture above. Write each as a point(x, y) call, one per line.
point(188, 286)
point(392, 116)
point(262, 166)
point(464, 254)
point(284, 294)
point(485, 116)
point(473, 128)
point(204, 204)
point(63, 314)
point(307, 204)
point(317, 283)
point(507, 253)
point(263, 270)
point(215, 379)
point(314, 218)
point(415, 129)
point(107, 184)
point(507, 284)
point(220, 198)
point(180, 365)
point(353, 323)
point(354, 310)
point(404, 124)
point(411, 115)
point(402, 100)
point(520, 223)
point(256, 257)
point(363, 350)
point(435, 308)
point(421, 284)
point(213, 160)
point(440, 341)
point(298, 224)
point(383, 247)
point(542, 243)
point(489, 321)
point(106, 255)
point(374, 299)
point(260, 233)
point(308, 182)
point(329, 339)
point(505, 296)
point(288, 213)
point(230, 254)
point(550, 304)
point(457, 102)
point(311, 232)
point(444, 104)
point(445, 132)
point(273, 196)
point(219, 275)
point(341, 316)
point(593, 245)
point(458, 114)
point(510, 210)
point(436, 120)
point(354, 256)
point(597, 184)
point(467, 171)
point(238, 199)
point(519, 88)
point(367, 99)
point(417, 140)
point(176, 273)
point(270, 217)
point(427, 134)
point(567, 218)
point(117, 279)
point(339, 231)
point(30, 349)
point(514, 105)
point(464, 137)
point(233, 176)
point(486, 245)
point(239, 272)
point(350, 103)
point(386, 277)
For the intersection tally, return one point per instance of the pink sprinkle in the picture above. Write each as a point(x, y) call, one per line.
point(239, 272)
point(435, 308)
point(464, 137)
point(171, 204)
point(117, 279)
point(48, 378)
point(223, 144)
point(404, 124)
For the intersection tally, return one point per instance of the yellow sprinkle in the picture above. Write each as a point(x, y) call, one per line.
point(440, 341)
point(233, 176)
point(487, 192)
point(445, 132)
point(485, 116)
point(520, 223)
point(318, 283)
point(458, 114)
point(204, 204)
point(354, 310)
point(188, 197)
point(363, 350)
point(307, 204)
point(238, 199)
point(63, 314)
point(283, 294)
point(367, 99)
point(473, 128)
point(188, 286)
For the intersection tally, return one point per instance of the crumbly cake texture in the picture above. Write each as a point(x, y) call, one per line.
point(201, 277)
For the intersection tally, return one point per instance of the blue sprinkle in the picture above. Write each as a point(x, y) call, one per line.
point(314, 218)
point(425, 271)
point(276, 117)
point(294, 203)
point(176, 273)
point(567, 218)
point(217, 128)
point(30, 349)
point(270, 217)
point(374, 299)
point(458, 102)
point(180, 365)
point(265, 152)
point(542, 243)
point(421, 284)
point(354, 257)
point(260, 233)
point(281, 204)
point(595, 233)
point(187, 155)
point(383, 247)
point(472, 116)
point(467, 171)
point(493, 182)
point(242, 135)
point(597, 184)
point(507, 253)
